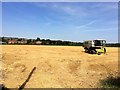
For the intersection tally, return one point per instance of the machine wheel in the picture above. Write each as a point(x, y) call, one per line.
point(104, 50)
point(99, 53)
point(93, 52)
point(86, 50)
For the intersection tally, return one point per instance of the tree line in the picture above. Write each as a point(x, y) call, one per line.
point(112, 44)
point(38, 41)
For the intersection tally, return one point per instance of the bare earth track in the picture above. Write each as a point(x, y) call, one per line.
point(56, 66)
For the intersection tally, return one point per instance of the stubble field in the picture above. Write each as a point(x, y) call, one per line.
point(56, 66)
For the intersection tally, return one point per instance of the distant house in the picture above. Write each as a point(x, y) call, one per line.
point(2, 42)
point(12, 41)
point(22, 41)
point(38, 42)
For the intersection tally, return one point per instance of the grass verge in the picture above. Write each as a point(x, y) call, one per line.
point(111, 82)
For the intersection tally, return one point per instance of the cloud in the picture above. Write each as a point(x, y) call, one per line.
point(99, 12)
point(86, 25)
point(48, 23)
point(102, 30)
point(104, 8)
point(71, 9)
point(80, 9)
point(63, 7)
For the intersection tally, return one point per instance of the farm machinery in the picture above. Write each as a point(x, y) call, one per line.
point(95, 46)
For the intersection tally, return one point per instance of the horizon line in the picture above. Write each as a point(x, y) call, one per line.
point(52, 39)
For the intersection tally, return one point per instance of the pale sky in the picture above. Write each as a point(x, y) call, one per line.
point(74, 21)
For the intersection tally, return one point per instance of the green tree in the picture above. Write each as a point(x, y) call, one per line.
point(3, 39)
point(38, 39)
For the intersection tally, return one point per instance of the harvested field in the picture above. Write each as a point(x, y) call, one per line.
point(56, 66)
